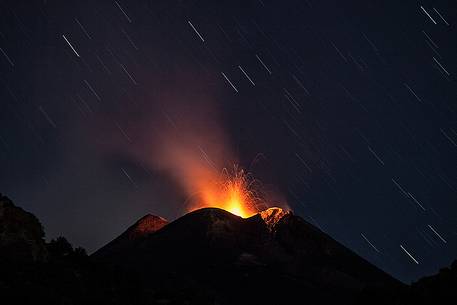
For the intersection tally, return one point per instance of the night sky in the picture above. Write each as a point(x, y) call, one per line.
point(347, 109)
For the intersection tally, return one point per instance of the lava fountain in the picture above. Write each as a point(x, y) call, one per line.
point(188, 143)
point(233, 191)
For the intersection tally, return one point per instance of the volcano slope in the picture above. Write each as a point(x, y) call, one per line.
point(211, 256)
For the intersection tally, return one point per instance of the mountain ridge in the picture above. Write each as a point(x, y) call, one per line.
point(147, 224)
point(214, 248)
point(207, 263)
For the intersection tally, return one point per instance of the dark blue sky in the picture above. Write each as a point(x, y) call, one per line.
point(350, 104)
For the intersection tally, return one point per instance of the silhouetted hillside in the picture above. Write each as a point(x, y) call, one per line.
point(232, 260)
point(139, 230)
point(35, 272)
point(440, 288)
point(208, 256)
point(21, 234)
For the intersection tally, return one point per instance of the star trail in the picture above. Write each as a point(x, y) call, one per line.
point(345, 108)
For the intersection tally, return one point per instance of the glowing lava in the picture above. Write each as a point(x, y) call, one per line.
point(232, 192)
point(238, 201)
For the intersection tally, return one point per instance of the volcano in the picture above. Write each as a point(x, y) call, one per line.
point(210, 256)
point(146, 225)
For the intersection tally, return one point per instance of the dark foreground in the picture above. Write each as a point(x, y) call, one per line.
point(206, 257)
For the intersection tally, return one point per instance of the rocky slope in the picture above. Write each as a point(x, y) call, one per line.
point(139, 230)
point(208, 256)
point(231, 260)
point(21, 234)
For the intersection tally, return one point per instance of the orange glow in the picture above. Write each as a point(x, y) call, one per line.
point(189, 145)
point(230, 191)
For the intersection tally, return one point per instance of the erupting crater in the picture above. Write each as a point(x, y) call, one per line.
point(233, 192)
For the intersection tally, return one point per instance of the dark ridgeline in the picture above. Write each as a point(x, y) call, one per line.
point(138, 231)
point(243, 261)
point(21, 234)
point(208, 256)
point(35, 272)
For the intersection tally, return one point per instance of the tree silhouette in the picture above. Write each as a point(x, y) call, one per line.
point(59, 248)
